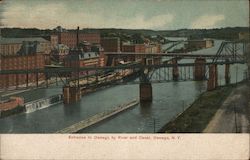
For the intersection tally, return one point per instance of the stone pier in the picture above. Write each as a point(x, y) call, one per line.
point(200, 69)
point(146, 91)
point(227, 73)
point(175, 70)
point(212, 82)
point(71, 94)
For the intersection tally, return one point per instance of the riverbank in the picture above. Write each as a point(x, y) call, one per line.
point(234, 114)
point(195, 118)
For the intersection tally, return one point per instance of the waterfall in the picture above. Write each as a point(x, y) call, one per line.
point(42, 103)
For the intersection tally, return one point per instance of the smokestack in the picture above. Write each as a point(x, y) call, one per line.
point(77, 37)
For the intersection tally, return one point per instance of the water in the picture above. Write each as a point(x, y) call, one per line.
point(169, 99)
point(42, 103)
point(178, 46)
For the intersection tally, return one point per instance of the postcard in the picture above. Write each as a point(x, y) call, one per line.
point(123, 79)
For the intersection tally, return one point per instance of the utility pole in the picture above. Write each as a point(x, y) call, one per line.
point(183, 107)
point(235, 120)
point(236, 74)
point(154, 125)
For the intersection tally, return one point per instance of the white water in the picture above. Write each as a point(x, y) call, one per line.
point(42, 103)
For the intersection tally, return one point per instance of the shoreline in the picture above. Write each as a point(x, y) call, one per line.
point(197, 116)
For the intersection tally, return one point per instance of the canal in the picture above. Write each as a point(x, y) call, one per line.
point(169, 99)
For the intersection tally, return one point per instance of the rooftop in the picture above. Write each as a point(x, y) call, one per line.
point(79, 55)
point(20, 40)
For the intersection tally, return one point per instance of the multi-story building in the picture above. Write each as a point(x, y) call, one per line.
point(21, 62)
point(93, 38)
point(141, 48)
point(70, 38)
point(244, 36)
point(153, 48)
point(10, 46)
point(54, 41)
point(111, 44)
point(79, 58)
point(206, 43)
point(60, 52)
point(137, 48)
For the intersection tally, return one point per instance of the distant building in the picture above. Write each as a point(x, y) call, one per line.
point(53, 41)
point(59, 52)
point(70, 38)
point(244, 36)
point(199, 44)
point(137, 48)
point(78, 58)
point(11, 46)
point(111, 44)
point(141, 48)
point(21, 62)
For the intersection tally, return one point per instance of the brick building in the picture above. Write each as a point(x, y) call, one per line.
point(79, 58)
point(207, 43)
point(24, 62)
point(153, 48)
point(10, 46)
point(54, 41)
point(140, 48)
point(84, 59)
point(111, 44)
point(60, 52)
point(244, 36)
point(70, 38)
point(137, 48)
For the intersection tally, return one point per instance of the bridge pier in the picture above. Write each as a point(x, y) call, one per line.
point(199, 69)
point(212, 82)
point(175, 69)
point(71, 94)
point(227, 73)
point(145, 91)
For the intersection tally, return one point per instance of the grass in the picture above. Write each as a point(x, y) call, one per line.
point(199, 114)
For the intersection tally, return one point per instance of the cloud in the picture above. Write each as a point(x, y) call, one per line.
point(141, 22)
point(207, 21)
point(52, 15)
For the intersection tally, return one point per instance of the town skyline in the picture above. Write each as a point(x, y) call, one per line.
point(149, 14)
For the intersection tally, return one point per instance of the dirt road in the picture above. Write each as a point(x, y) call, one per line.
point(234, 114)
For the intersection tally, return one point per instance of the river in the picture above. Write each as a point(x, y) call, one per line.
point(168, 100)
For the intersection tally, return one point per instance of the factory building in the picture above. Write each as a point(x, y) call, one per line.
point(59, 52)
point(141, 48)
point(111, 44)
point(70, 38)
point(199, 44)
point(78, 59)
point(244, 36)
point(29, 56)
point(54, 41)
point(137, 48)
point(21, 62)
point(10, 46)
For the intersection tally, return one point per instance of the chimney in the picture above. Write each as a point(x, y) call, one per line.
point(77, 37)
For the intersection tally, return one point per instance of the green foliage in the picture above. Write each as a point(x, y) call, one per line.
point(197, 116)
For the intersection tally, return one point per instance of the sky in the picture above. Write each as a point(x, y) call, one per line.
point(127, 14)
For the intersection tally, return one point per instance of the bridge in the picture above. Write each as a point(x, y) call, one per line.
point(77, 80)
